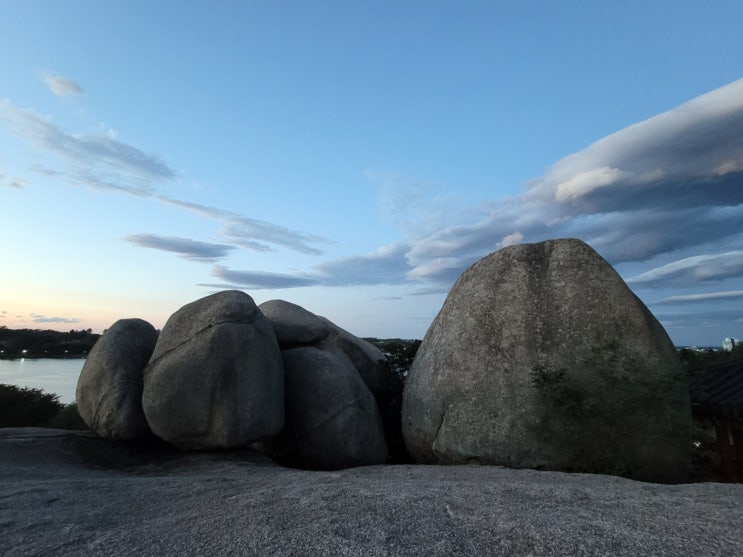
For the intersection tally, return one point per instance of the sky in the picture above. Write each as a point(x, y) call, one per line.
point(356, 157)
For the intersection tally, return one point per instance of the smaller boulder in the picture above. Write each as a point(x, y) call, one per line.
point(368, 360)
point(384, 384)
point(215, 379)
point(332, 418)
point(294, 325)
point(109, 389)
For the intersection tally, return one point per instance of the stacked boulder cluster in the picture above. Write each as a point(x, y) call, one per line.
point(225, 373)
point(541, 357)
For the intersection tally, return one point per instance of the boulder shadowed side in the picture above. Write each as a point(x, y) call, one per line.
point(542, 357)
point(384, 384)
point(332, 418)
point(215, 379)
point(109, 389)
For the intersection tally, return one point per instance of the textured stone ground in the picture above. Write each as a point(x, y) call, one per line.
point(65, 493)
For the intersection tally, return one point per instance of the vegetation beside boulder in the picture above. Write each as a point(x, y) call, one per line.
point(25, 406)
point(29, 407)
point(68, 418)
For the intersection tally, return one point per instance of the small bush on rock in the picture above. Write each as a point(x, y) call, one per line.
point(593, 413)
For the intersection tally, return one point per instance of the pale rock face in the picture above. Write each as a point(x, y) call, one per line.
point(294, 325)
point(332, 418)
point(542, 357)
point(215, 379)
point(109, 389)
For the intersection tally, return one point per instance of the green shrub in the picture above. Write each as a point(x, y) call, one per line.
point(68, 418)
point(594, 415)
point(25, 406)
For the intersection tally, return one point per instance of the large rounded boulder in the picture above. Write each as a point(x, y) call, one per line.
point(332, 418)
point(109, 389)
point(542, 357)
point(215, 379)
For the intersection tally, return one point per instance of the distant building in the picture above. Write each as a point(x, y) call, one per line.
point(729, 343)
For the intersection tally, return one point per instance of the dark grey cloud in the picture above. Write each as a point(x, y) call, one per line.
point(61, 86)
point(261, 280)
point(670, 183)
point(184, 247)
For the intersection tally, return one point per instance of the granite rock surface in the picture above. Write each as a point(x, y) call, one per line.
point(65, 493)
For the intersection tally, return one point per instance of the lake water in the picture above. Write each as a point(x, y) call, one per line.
point(57, 376)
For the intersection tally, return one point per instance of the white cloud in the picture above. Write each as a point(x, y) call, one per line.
point(253, 234)
point(103, 162)
point(585, 182)
point(511, 239)
point(693, 270)
point(703, 297)
point(61, 86)
point(667, 183)
point(87, 153)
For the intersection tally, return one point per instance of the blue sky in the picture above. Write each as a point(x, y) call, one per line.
point(356, 157)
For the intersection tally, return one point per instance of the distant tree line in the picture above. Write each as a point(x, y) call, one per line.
point(694, 360)
point(400, 352)
point(35, 343)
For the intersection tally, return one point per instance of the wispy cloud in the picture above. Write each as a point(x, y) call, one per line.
point(384, 266)
point(102, 162)
point(36, 318)
point(724, 296)
point(87, 153)
point(14, 182)
point(260, 280)
point(184, 247)
point(387, 265)
point(691, 271)
point(719, 319)
point(61, 86)
point(419, 208)
point(669, 183)
point(253, 234)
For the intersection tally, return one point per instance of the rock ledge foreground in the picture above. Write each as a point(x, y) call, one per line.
point(71, 493)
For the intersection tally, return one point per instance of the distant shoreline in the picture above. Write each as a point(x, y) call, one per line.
point(43, 357)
